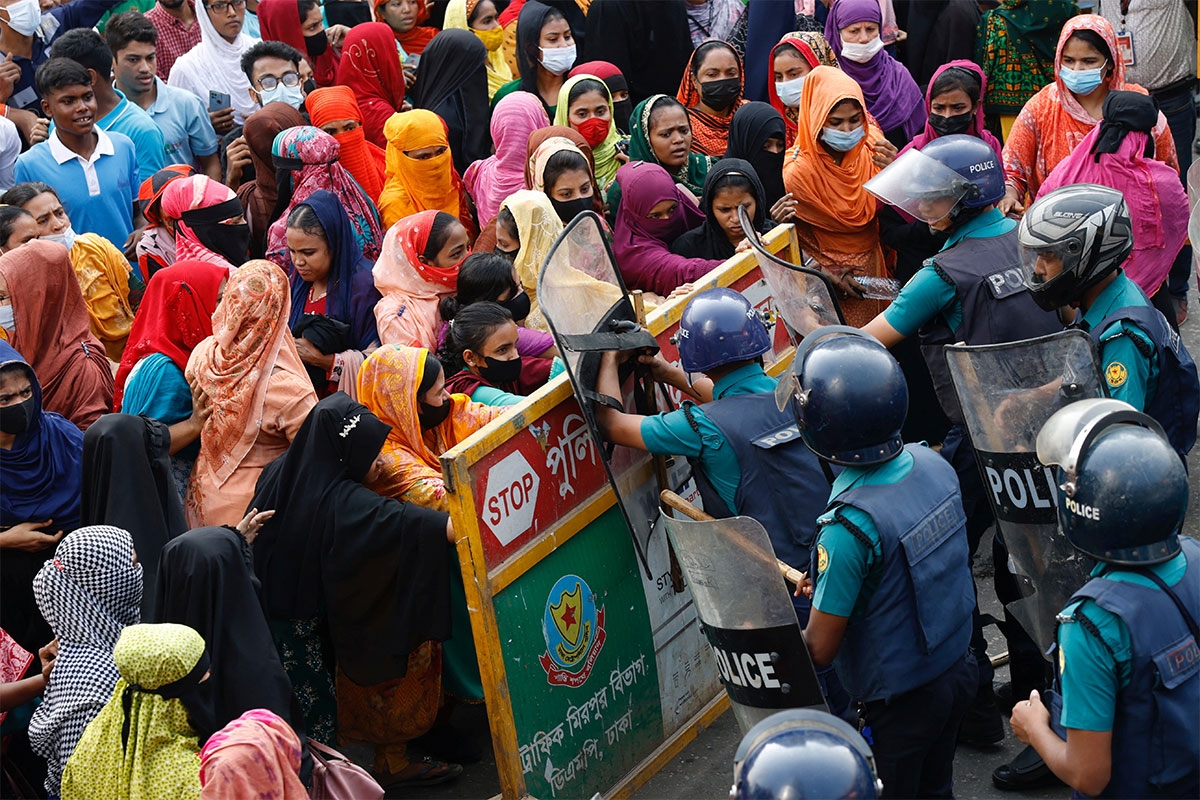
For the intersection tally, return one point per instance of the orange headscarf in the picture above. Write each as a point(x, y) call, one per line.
point(415, 185)
point(365, 161)
point(415, 41)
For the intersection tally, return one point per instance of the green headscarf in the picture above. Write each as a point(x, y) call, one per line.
point(691, 174)
point(605, 153)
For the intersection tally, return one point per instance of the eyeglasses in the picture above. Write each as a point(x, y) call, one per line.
point(223, 6)
point(288, 79)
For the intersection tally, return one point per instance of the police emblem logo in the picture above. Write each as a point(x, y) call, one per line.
point(1116, 374)
point(1062, 660)
point(822, 558)
point(574, 631)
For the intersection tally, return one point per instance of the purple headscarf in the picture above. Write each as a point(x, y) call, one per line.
point(976, 128)
point(642, 245)
point(892, 96)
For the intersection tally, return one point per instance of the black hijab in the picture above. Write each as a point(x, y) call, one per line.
point(1123, 112)
point(529, 33)
point(206, 581)
point(127, 483)
point(708, 240)
point(376, 566)
point(752, 125)
point(452, 83)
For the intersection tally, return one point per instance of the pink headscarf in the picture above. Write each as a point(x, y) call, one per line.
point(190, 194)
point(254, 757)
point(929, 134)
point(412, 291)
point(493, 179)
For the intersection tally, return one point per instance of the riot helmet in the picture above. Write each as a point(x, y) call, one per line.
point(1071, 239)
point(1122, 488)
point(947, 176)
point(849, 396)
point(803, 753)
point(718, 327)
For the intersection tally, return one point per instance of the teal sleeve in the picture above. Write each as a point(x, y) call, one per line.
point(491, 396)
point(1092, 671)
point(926, 295)
point(557, 367)
point(670, 433)
point(1128, 374)
point(843, 563)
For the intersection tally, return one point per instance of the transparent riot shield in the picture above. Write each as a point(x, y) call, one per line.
point(1007, 392)
point(748, 616)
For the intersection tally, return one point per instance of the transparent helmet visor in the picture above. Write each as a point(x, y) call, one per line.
point(923, 187)
point(1066, 435)
point(1041, 265)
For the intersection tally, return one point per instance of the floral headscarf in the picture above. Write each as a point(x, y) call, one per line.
point(254, 757)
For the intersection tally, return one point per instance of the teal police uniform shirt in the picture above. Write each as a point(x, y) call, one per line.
point(847, 569)
point(1129, 372)
point(928, 294)
point(670, 433)
point(1092, 671)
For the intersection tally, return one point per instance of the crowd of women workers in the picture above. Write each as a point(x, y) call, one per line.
point(225, 526)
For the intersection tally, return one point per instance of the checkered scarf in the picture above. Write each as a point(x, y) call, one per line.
point(88, 593)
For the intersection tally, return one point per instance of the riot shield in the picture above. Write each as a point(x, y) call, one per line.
point(747, 615)
point(1007, 392)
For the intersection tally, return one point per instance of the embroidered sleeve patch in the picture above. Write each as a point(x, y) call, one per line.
point(822, 558)
point(1115, 374)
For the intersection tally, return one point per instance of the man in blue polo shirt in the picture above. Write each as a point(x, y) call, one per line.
point(95, 173)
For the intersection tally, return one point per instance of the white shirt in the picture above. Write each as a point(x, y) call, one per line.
point(10, 148)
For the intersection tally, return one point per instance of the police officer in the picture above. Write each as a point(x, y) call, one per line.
point(891, 584)
point(1128, 662)
point(971, 291)
point(1073, 242)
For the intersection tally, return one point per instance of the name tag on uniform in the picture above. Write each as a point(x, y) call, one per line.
point(1125, 48)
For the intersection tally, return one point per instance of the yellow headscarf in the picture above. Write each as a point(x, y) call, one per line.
point(498, 71)
point(538, 226)
point(103, 274)
point(413, 185)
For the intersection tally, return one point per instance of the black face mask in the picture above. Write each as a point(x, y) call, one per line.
point(310, 86)
point(948, 126)
point(232, 242)
point(16, 419)
point(567, 210)
point(432, 416)
point(719, 95)
point(518, 305)
point(508, 255)
point(316, 44)
point(498, 372)
point(622, 109)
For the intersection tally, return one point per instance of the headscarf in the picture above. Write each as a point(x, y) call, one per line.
point(142, 744)
point(410, 291)
point(1116, 81)
point(351, 295)
point(219, 64)
point(53, 330)
point(156, 248)
point(200, 204)
point(530, 21)
point(1015, 45)
point(691, 173)
point(175, 316)
point(615, 81)
point(710, 135)
point(1119, 153)
point(258, 197)
point(753, 124)
point(640, 244)
point(127, 483)
point(413, 186)
point(538, 227)
point(371, 68)
point(206, 581)
point(279, 21)
point(545, 143)
point(377, 567)
point(892, 96)
point(89, 592)
point(254, 757)
point(310, 157)
point(14, 662)
point(365, 161)
point(233, 367)
point(708, 240)
point(977, 129)
point(418, 38)
point(605, 153)
point(514, 120)
point(103, 274)
point(498, 71)
point(452, 83)
point(813, 49)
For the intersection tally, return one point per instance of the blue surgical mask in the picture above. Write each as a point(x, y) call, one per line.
point(789, 91)
point(292, 95)
point(7, 320)
point(1082, 81)
point(843, 141)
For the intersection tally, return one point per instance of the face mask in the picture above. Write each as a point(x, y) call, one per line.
point(508, 255)
point(24, 16)
point(622, 109)
point(719, 95)
point(65, 238)
point(15, 419)
point(518, 305)
point(498, 371)
point(842, 141)
point(789, 91)
point(232, 242)
point(292, 95)
point(594, 130)
point(493, 40)
point(861, 53)
point(557, 60)
point(316, 44)
point(1082, 81)
point(568, 210)
point(948, 126)
point(432, 416)
point(8, 319)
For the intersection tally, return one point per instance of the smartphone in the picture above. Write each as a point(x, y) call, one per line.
point(218, 101)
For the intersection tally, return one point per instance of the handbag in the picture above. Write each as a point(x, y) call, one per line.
point(336, 777)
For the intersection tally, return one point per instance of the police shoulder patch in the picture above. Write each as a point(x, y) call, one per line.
point(822, 558)
point(1115, 374)
point(1062, 660)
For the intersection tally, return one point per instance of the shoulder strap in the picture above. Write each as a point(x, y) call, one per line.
point(1188, 619)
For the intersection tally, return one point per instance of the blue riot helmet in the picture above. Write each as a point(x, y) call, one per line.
point(718, 327)
point(1123, 490)
point(976, 161)
point(949, 175)
point(850, 397)
point(802, 753)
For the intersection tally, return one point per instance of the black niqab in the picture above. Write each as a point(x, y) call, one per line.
point(452, 83)
point(753, 124)
point(1122, 113)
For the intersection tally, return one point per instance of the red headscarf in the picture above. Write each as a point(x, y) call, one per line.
point(367, 162)
point(415, 40)
point(371, 68)
point(280, 22)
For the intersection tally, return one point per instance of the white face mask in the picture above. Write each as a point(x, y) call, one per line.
point(292, 95)
point(66, 238)
point(861, 53)
point(789, 91)
point(7, 320)
point(557, 60)
point(24, 16)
